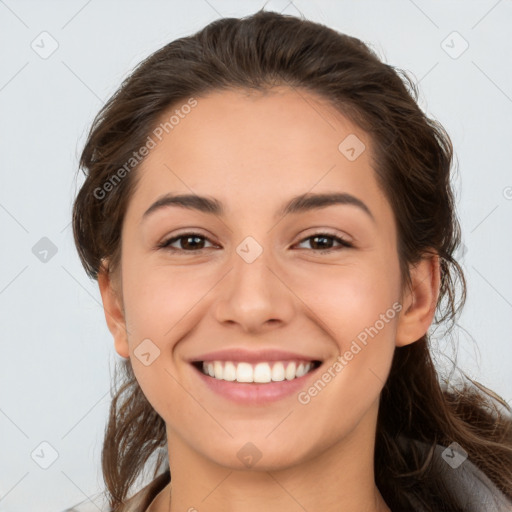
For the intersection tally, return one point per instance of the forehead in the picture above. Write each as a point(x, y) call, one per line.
point(246, 147)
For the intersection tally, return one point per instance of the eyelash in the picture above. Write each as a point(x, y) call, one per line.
point(166, 244)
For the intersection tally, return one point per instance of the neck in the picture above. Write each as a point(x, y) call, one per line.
point(340, 477)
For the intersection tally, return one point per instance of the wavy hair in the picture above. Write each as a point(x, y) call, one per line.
point(413, 158)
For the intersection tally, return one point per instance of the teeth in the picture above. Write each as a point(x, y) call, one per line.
point(278, 372)
point(259, 373)
point(262, 373)
point(244, 372)
point(217, 370)
point(229, 371)
point(290, 371)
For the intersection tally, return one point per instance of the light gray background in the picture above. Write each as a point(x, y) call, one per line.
point(56, 351)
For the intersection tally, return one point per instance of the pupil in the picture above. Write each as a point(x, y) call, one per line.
point(195, 238)
point(321, 238)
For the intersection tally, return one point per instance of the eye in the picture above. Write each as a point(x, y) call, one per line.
point(325, 240)
point(194, 242)
point(189, 242)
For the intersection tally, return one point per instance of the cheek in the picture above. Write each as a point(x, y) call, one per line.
point(358, 308)
point(159, 384)
point(158, 298)
point(349, 298)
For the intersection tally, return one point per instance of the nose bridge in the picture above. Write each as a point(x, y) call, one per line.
point(251, 271)
point(254, 294)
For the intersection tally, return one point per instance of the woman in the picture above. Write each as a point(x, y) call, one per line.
point(270, 219)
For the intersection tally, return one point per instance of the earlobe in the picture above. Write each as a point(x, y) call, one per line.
point(420, 301)
point(114, 313)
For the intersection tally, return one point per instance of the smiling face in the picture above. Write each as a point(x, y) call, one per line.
point(255, 277)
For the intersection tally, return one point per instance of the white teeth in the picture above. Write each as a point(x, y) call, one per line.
point(217, 370)
point(290, 371)
point(229, 371)
point(261, 373)
point(243, 372)
point(278, 372)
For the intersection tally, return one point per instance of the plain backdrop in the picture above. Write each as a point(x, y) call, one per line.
point(60, 61)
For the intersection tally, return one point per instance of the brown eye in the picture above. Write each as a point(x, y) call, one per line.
point(194, 242)
point(323, 242)
point(188, 242)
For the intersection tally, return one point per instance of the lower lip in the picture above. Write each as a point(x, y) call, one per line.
point(251, 393)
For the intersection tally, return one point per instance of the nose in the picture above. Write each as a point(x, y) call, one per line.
point(254, 295)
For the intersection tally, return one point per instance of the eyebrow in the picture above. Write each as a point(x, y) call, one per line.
point(299, 204)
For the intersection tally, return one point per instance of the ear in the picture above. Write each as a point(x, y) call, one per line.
point(114, 311)
point(419, 303)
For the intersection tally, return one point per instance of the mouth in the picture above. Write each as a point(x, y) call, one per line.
point(263, 372)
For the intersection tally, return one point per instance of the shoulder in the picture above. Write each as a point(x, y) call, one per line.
point(472, 489)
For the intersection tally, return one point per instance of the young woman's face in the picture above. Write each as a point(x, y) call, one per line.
point(253, 280)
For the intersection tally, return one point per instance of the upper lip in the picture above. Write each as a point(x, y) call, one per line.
point(244, 355)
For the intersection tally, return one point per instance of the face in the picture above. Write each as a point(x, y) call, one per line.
point(253, 282)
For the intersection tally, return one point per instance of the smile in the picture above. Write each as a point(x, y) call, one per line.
point(257, 383)
point(261, 372)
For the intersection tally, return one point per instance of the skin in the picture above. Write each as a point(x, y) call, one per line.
point(253, 152)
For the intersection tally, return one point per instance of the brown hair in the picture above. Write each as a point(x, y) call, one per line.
point(413, 157)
